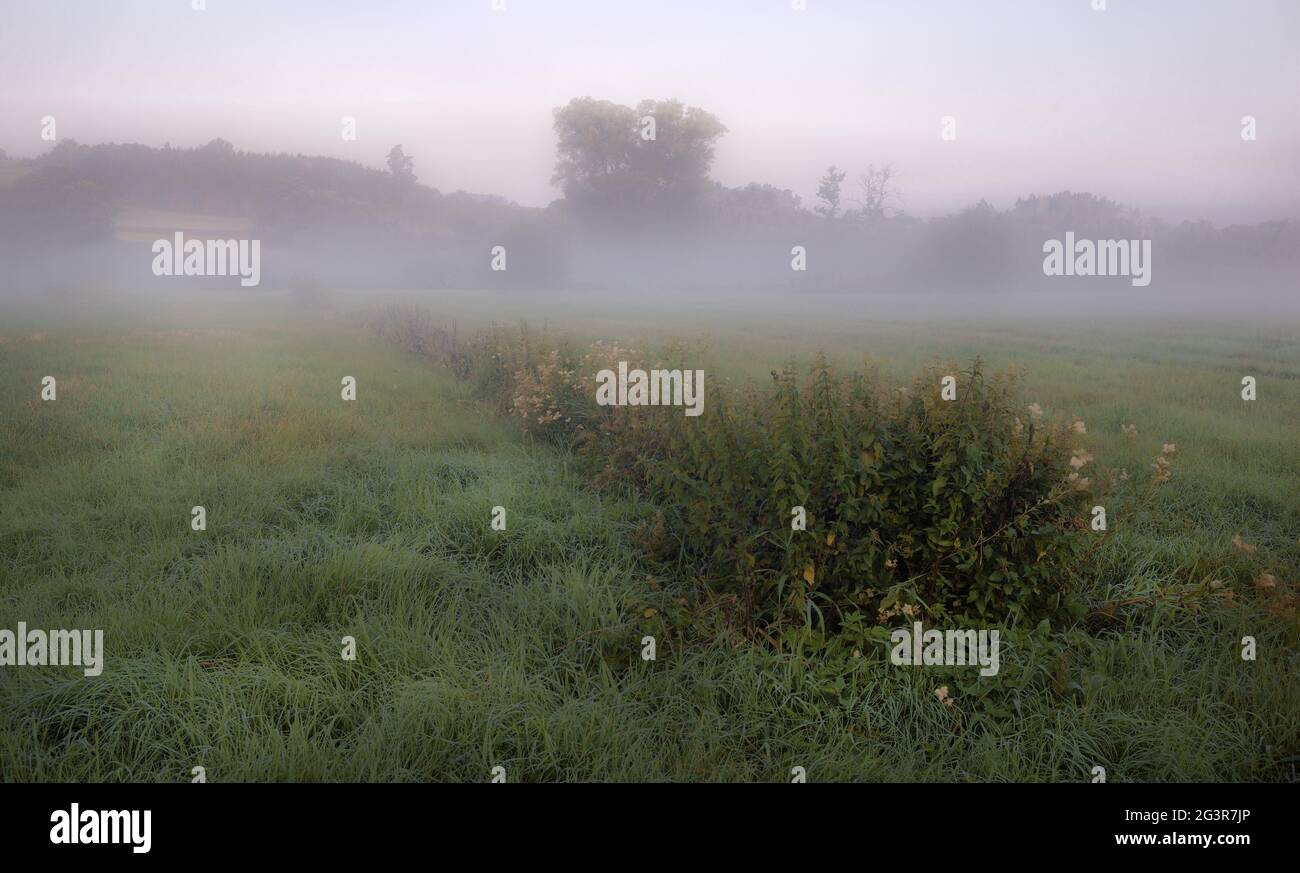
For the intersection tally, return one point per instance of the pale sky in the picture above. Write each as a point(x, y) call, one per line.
point(1141, 102)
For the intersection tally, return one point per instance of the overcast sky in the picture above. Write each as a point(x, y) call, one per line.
point(1141, 102)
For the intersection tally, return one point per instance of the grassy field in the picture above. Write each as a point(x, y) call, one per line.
point(520, 648)
point(147, 225)
point(11, 171)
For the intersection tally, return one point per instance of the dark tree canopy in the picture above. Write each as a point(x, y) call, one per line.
point(401, 165)
point(653, 159)
point(828, 192)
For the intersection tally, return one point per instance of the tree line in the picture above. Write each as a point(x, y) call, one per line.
point(637, 200)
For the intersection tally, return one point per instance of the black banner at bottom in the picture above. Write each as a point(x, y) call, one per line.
point(214, 821)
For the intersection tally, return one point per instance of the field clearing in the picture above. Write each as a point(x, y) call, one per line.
point(146, 225)
point(11, 172)
point(479, 648)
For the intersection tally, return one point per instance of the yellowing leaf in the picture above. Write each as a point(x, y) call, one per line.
point(809, 575)
point(650, 612)
point(830, 538)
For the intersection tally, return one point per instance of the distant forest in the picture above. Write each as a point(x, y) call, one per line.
point(638, 209)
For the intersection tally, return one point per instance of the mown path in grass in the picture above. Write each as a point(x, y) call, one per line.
point(476, 648)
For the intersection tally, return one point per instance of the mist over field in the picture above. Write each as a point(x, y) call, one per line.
point(946, 178)
point(332, 337)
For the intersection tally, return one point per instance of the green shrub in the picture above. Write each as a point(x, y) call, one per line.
point(916, 507)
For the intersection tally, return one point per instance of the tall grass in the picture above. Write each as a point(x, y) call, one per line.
point(521, 648)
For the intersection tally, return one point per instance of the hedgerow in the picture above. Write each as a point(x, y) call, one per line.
point(913, 506)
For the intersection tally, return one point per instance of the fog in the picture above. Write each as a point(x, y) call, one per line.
point(910, 159)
